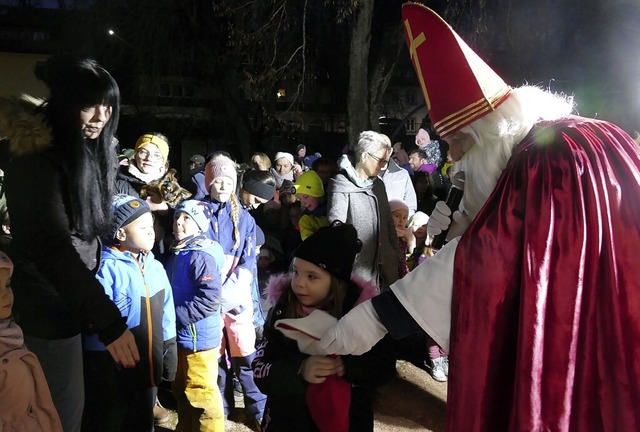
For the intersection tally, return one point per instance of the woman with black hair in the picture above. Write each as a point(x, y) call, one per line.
point(59, 165)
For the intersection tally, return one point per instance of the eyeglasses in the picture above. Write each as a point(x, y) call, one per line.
point(381, 162)
point(145, 154)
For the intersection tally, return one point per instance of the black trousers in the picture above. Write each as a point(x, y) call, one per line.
point(116, 400)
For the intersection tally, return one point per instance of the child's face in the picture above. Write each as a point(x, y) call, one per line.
point(138, 235)
point(420, 232)
point(6, 294)
point(249, 200)
point(310, 283)
point(184, 226)
point(400, 218)
point(221, 189)
point(263, 262)
point(308, 202)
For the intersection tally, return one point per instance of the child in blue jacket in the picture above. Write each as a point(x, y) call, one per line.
point(194, 269)
point(116, 398)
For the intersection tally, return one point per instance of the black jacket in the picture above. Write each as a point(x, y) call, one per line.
point(278, 361)
point(56, 292)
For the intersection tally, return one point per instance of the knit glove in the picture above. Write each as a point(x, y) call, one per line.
point(356, 332)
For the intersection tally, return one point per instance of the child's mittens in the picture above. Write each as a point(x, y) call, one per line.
point(307, 331)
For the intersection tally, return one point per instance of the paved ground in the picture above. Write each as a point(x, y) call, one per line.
point(412, 401)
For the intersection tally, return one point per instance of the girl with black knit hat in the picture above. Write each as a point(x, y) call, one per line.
point(312, 392)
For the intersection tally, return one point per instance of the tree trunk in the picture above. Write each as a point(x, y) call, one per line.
point(358, 93)
point(382, 72)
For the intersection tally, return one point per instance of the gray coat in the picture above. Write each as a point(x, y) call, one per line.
point(364, 204)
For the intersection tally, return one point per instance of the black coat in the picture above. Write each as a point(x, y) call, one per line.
point(276, 367)
point(55, 289)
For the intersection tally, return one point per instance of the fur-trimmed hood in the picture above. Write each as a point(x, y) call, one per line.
point(277, 284)
point(22, 127)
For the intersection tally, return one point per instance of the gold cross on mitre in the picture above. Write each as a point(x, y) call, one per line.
point(413, 47)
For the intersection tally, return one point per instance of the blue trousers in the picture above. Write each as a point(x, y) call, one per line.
point(254, 400)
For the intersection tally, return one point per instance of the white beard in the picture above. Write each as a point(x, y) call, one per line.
point(482, 167)
point(496, 135)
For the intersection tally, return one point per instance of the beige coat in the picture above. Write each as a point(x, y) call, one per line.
point(25, 401)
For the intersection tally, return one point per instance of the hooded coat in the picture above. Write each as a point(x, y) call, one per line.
point(364, 204)
point(194, 270)
point(56, 292)
point(22, 383)
point(277, 364)
point(141, 290)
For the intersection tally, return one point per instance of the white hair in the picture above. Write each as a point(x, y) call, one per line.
point(371, 142)
point(496, 135)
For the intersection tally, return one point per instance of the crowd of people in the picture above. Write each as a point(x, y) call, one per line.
point(124, 279)
point(296, 279)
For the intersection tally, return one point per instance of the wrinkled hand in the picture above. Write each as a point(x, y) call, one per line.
point(124, 350)
point(316, 369)
point(356, 332)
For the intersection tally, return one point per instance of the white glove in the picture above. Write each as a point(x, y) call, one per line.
point(356, 332)
point(439, 220)
point(308, 330)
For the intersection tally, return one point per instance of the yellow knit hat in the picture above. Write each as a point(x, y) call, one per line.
point(310, 184)
point(157, 140)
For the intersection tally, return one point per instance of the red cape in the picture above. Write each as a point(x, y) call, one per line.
point(545, 329)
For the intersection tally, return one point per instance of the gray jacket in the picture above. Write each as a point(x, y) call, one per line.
point(364, 204)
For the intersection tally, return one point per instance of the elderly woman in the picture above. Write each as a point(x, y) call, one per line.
point(357, 196)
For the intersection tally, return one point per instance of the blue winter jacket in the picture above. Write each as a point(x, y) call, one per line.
point(141, 290)
point(236, 285)
point(194, 270)
point(221, 230)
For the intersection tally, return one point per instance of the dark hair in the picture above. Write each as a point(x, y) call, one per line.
point(323, 160)
point(264, 177)
point(421, 153)
point(426, 177)
point(90, 165)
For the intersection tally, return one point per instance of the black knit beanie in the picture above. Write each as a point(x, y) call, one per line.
point(333, 248)
point(253, 183)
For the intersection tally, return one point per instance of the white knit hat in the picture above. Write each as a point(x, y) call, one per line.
point(287, 156)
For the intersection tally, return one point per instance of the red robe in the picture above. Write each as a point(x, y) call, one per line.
point(545, 332)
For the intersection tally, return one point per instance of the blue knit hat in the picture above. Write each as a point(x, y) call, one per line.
point(198, 211)
point(126, 209)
